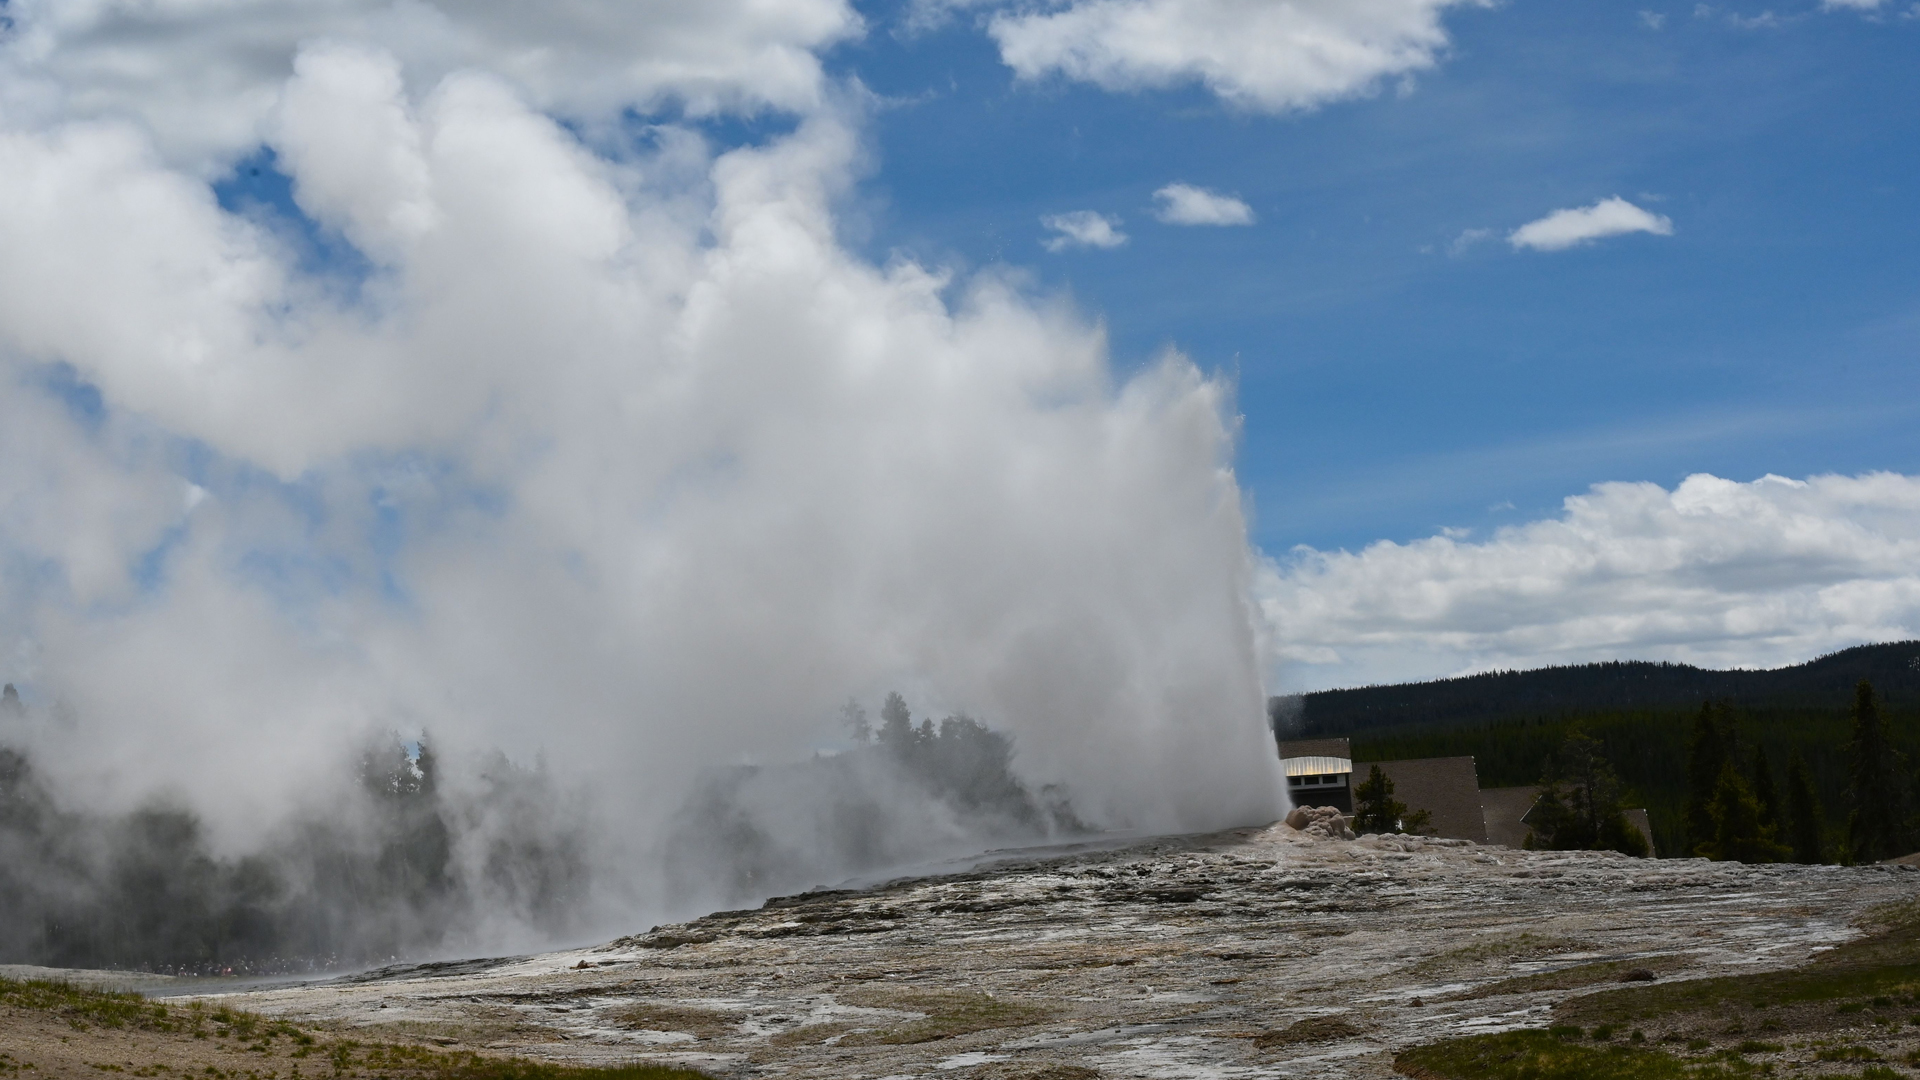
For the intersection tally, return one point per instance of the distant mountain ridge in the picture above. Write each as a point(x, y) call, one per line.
point(1613, 686)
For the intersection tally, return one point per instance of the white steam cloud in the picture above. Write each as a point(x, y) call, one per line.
point(612, 453)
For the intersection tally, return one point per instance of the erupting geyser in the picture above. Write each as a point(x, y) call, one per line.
point(527, 416)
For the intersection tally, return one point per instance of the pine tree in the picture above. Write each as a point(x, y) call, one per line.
point(854, 716)
point(1549, 819)
point(1765, 793)
point(1707, 754)
point(896, 724)
point(1876, 827)
point(1580, 807)
point(1375, 810)
point(426, 768)
point(1738, 833)
point(1806, 826)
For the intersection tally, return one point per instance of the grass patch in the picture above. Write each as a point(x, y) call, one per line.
point(1541, 1055)
point(1312, 1029)
point(947, 1015)
point(89, 1008)
point(85, 1010)
point(1497, 947)
point(1846, 988)
point(1848, 1053)
point(417, 1063)
point(1573, 978)
point(1037, 1070)
point(1865, 980)
point(1875, 971)
point(695, 1021)
point(813, 1034)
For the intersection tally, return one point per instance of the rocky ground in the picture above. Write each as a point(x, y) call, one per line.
point(1259, 952)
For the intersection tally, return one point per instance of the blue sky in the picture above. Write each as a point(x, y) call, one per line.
point(1394, 384)
point(360, 311)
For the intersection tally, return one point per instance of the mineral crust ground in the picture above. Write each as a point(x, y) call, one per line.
point(1254, 953)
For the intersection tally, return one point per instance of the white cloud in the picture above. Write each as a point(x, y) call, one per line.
point(1184, 204)
point(1262, 55)
point(1082, 228)
point(1653, 20)
point(1569, 228)
point(924, 16)
point(1851, 5)
point(1713, 572)
point(623, 457)
point(205, 75)
point(1467, 239)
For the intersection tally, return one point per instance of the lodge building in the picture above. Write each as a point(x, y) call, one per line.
point(1322, 772)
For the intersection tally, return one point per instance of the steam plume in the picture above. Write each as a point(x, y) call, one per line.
point(598, 445)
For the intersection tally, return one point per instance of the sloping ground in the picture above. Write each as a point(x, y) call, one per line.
point(1853, 1007)
point(1255, 953)
point(66, 1030)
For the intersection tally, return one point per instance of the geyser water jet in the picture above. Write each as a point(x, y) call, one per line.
point(590, 443)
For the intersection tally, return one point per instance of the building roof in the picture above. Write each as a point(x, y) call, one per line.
point(1331, 748)
point(1448, 788)
point(1504, 810)
point(1316, 766)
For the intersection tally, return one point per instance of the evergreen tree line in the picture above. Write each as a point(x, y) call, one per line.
point(906, 793)
point(1610, 687)
point(964, 762)
point(398, 866)
point(1711, 777)
point(1736, 810)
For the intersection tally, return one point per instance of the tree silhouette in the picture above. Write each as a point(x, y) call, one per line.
point(1876, 828)
point(1806, 826)
point(1708, 751)
point(1739, 833)
point(896, 724)
point(1581, 806)
point(1765, 793)
point(854, 716)
point(1375, 810)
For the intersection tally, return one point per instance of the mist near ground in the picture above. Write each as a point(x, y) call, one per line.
point(409, 857)
point(577, 444)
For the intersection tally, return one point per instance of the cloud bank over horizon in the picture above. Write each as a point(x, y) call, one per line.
point(600, 446)
point(1714, 573)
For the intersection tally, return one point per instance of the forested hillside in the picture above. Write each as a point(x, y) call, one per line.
point(1618, 686)
point(1643, 715)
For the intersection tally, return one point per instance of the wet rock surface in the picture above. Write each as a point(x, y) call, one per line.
point(1258, 952)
